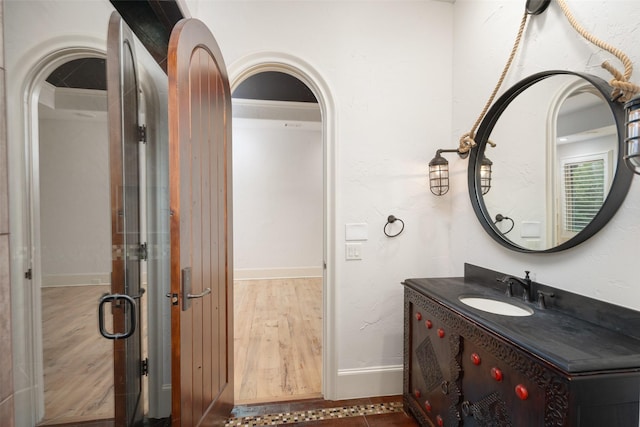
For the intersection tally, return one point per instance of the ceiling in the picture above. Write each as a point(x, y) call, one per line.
point(274, 86)
point(90, 73)
point(85, 73)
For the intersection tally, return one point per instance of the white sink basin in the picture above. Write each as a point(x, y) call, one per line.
point(496, 306)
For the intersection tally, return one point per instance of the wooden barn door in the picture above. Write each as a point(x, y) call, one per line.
point(201, 243)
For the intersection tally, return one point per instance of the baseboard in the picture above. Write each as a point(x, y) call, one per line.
point(52, 280)
point(276, 273)
point(369, 382)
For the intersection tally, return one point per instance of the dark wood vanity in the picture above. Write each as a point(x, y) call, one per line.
point(575, 362)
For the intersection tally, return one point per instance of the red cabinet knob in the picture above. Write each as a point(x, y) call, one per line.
point(496, 374)
point(428, 324)
point(522, 392)
point(427, 405)
point(440, 421)
point(417, 393)
point(475, 358)
point(441, 332)
point(418, 316)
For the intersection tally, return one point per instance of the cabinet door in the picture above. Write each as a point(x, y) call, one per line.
point(433, 382)
point(496, 394)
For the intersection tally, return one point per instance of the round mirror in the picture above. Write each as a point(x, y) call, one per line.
point(557, 170)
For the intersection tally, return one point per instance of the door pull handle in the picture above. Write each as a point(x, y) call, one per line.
point(128, 301)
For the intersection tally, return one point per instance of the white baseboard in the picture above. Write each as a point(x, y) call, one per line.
point(276, 273)
point(369, 382)
point(52, 280)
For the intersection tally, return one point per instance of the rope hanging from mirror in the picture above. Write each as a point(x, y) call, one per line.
point(467, 141)
point(624, 90)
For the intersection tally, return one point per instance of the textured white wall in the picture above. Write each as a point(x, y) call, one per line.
point(388, 67)
point(601, 267)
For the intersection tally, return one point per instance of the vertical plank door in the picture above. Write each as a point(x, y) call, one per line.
point(201, 228)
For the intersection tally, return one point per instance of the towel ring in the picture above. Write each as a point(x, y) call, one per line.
point(390, 220)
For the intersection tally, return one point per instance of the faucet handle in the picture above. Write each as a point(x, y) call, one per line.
point(509, 291)
point(526, 272)
point(541, 301)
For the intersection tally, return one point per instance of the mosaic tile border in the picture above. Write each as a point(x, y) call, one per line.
point(315, 415)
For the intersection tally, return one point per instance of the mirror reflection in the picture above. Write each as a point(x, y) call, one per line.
point(554, 162)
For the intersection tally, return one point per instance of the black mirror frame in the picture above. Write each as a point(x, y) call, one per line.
point(619, 186)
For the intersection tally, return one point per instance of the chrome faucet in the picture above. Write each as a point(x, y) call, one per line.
point(525, 283)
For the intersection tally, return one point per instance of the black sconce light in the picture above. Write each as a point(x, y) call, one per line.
point(439, 171)
point(632, 140)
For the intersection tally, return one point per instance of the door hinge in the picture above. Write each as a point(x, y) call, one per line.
point(143, 253)
point(144, 367)
point(28, 274)
point(142, 134)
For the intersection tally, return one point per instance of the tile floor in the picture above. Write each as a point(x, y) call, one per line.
point(369, 412)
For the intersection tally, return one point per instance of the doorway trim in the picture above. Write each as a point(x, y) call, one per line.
point(259, 62)
point(30, 117)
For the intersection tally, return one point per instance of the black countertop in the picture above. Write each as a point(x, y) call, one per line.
point(572, 344)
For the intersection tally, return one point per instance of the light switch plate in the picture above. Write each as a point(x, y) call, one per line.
point(353, 251)
point(530, 229)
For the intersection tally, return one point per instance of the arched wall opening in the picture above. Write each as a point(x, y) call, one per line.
point(270, 61)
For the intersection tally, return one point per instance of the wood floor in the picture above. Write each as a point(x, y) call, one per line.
point(277, 339)
point(78, 362)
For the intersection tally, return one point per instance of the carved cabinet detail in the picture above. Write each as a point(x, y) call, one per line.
point(459, 373)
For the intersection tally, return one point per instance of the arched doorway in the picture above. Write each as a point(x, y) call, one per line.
point(274, 62)
point(70, 235)
point(278, 223)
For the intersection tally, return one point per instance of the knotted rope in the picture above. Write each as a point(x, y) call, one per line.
point(467, 141)
point(623, 90)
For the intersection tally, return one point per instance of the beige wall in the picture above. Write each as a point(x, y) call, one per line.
point(6, 372)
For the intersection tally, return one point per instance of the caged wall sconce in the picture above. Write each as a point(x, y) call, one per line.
point(632, 140)
point(439, 172)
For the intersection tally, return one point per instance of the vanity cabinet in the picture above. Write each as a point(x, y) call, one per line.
point(460, 372)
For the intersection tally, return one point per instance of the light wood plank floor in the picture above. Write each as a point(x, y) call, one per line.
point(78, 362)
point(277, 339)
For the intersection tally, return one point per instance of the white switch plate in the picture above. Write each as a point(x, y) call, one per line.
point(530, 229)
point(358, 231)
point(353, 251)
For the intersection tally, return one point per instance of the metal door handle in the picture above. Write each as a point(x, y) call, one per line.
point(187, 296)
point(131, 302)
point(205, 292)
